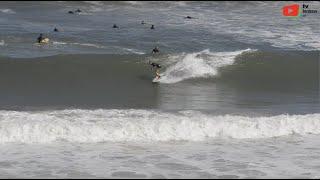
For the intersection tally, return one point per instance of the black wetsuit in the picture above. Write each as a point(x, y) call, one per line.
point(155, 50)
point(40, 38)
point(155, 65)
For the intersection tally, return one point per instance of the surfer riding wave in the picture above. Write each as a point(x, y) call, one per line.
point(157, 67)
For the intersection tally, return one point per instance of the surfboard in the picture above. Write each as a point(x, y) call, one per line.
point(45, 40)
point(156, 80)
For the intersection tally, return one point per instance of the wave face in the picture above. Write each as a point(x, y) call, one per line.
point(89, 126)
point(274, 71)
point(124, 81)
point(198, 65)
point(247, 69)
point(242, 66)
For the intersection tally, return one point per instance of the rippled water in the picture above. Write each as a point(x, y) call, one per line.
point(238, 95)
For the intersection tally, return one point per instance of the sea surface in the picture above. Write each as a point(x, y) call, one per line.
point(238, 97)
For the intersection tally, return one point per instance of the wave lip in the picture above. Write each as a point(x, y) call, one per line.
point(89, 126)
point(198, 65)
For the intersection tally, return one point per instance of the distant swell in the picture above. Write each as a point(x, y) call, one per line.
point(145, 125)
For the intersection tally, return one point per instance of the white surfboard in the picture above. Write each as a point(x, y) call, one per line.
point(156, 80)
point(45, 40)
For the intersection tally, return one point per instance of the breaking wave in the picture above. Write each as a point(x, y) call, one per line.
point(114, 125)
point(198, 65)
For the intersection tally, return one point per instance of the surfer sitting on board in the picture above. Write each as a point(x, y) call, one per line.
point(42, 39)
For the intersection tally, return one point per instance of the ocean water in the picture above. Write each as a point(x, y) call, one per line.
point(238, 95)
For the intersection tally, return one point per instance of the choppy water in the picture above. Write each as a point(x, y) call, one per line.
point(238, 95)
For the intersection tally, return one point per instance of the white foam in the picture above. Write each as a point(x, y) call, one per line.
point(2, 43)
point(89, 126)
point(97, 3)
point(196, 65)
point(94, 6)
point(88, 44)
point(135, 51)
point(7, 11)
point(81, 44)
point(59, 43)
point(133, 2)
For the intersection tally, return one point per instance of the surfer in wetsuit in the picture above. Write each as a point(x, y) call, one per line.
point(155, 50)
point(40, 38)
point(157, 74)
point(157, 66)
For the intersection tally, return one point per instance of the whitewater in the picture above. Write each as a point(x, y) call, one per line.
point(201, 64)
point(93, 126)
